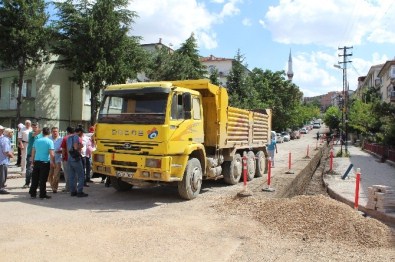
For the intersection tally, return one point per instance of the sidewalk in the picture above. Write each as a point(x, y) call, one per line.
point(373, 172)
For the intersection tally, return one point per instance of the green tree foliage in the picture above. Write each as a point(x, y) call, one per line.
point(93, 43)
point(214, 77)
point(361, 117)
point(281, 95)
point(332, 117)
point(183, 63)
point(189, 55)
point(23, 38)
point(241, 91)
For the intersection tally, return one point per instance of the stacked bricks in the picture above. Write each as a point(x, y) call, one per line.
point(381, 198)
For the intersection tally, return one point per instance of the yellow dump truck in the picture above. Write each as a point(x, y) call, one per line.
point(177, 131)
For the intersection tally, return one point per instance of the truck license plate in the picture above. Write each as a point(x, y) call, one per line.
point(124, 174)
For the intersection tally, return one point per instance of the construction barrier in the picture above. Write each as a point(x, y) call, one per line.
point(331, 161)
point(289, 164)
point(357, 182)
point(269, 174)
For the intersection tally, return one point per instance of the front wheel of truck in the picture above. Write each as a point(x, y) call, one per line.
point(189, 187)
point(119, 185)
point(232, 170)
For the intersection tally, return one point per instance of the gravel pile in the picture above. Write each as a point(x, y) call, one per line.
point(313, 218)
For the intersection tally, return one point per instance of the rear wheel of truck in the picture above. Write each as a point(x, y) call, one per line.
point(260, 164)
point(232, 170)
point(251, 165)
point(189, 187)
point(119, 185)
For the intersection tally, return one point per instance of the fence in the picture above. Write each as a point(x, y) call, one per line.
point(383, 151)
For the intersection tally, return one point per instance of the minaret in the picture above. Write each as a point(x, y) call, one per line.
point(290, 73)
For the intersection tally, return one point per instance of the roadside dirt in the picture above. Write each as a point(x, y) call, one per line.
point(154, 224)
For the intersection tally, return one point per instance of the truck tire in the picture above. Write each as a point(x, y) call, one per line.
point(189, 187)
point(251, 165)
point(260, 164)
point(232, 170)
point(119, 185)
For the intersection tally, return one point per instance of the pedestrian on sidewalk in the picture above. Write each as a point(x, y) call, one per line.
point(23, 140)
point(65, 155)
point(271, 148)
point(74, 146)
point(43, 159)
point(33, 136)
point(19, 158)
point(6, 153)
point(54, 172)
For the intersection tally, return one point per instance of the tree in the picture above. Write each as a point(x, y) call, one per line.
point(279, 94)
point(332, 117)
point(361, 117)
point(93, 43)
point(214, 77)
point(189, 55)
point(241, 91)
point(23, 38)
point(184, 63)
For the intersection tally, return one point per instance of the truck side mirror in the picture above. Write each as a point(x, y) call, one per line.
point(187, 102)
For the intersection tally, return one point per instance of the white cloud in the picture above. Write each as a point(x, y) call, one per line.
point(175, 20)
point(315, 73)
point(331, 22)
point(246, 22)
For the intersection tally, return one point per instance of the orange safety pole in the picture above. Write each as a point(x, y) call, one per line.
point(308, 148)
point(269, 171)
point(357, 182)
point(245, 171)
point(289, 160)
point(269, 175)
point(331, 161)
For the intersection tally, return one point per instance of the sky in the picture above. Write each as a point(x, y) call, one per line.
point(265, 31)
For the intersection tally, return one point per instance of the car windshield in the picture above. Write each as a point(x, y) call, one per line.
point(133, 108)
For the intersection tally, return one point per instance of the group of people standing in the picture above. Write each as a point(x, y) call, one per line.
point(44, 153)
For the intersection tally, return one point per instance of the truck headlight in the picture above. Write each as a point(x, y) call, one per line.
point(98, 158)
point(152, 162)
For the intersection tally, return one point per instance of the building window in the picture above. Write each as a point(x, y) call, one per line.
point(87, 98)
point(27, 88)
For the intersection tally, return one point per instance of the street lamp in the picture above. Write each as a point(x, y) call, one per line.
point(344, 113)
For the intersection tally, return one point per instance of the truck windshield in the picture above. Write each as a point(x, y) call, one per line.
point(134, 108)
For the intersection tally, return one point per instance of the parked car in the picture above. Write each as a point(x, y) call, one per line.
point(303, 131)
point(286, 136)
point(279, 138)
point(316, 125)
point(295, 134)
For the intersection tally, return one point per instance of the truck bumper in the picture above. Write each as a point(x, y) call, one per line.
point(138, 167)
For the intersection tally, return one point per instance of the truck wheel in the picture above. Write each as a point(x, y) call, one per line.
point(232, 170)
point(119, 185)
point(260, 164)
point(189, 187)
point(251, 165)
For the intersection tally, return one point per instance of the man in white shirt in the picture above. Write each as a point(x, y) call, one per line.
point(23, 140)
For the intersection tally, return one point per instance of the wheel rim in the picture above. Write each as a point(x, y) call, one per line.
point(237, 168)
point(196, 179)
point(251, 165)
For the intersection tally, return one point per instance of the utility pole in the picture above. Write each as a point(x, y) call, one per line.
point(344, 54)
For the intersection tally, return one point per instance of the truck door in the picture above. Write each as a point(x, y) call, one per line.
point(185, 126)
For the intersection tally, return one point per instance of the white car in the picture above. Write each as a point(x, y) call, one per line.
point(303, 130)
point(279, 138)
point(286, 136)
